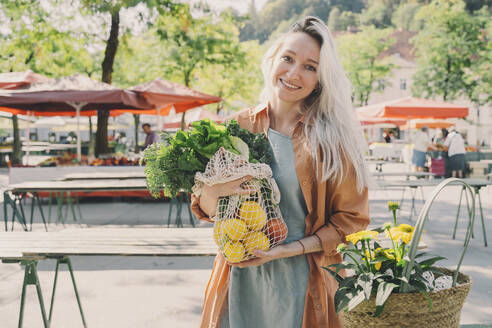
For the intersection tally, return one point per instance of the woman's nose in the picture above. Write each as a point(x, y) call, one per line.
point(293, 71)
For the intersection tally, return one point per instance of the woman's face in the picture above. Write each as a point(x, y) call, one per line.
point(295, 68)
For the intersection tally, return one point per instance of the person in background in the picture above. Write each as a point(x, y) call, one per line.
point(421, 144)
point(151, 137)
point(386, 137)
point(455, 145)
point(392, 136)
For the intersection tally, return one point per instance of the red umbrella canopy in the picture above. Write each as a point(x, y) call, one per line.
point(411, 107)
point(166, 94)
point(59, 96)
point(16, 80)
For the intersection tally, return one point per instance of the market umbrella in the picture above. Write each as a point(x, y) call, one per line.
point(430, 123)
point(75, 94)
point(16, 80)
point(165, 95)
point(410, 108)
point(174, 122)
point(49, 122)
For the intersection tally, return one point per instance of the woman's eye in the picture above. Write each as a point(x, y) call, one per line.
point(311, 68)
point(286, 58)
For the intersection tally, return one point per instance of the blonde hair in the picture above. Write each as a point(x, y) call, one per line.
point(335, 135)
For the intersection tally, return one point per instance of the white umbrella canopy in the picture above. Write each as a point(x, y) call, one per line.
point(85, 127)
point(49, 122)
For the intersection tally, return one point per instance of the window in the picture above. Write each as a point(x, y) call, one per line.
point(403, 84)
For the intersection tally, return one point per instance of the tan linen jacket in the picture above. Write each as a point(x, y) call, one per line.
point(334, 211)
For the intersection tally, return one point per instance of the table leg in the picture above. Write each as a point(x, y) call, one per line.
point(66, 260)
point(31, 278)
point(36, 196)
point(458, 213)
point(171, 204)
point(24, 222)
point(33, 203)
point(49, 206)
point(78, 208)
point(5, 196)
point(477, 193)
point(187, 202)
point(70, 205)
point(179, 203)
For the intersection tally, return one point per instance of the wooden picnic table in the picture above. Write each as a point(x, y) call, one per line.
point(65, 190)
point(414, 185)
point(30, 248)
point(404, 174)
point(104, 175)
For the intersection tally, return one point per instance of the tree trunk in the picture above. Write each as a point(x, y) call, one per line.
point(136, 117)
point(17, 147)
point(107, 72)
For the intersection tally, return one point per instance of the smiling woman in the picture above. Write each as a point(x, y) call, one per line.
point(317, 146)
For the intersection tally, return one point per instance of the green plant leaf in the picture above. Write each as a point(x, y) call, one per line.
point(431, 261)
point(384, 291)
point(365, 281)
point(356, 300)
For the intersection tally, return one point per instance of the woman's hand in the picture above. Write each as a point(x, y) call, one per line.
point(262, 257)
point(210, 194)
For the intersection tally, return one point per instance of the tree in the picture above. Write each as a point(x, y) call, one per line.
point(360, 56)
point(239, 85)
point(452, 50)
point(446, 48)
point(193, 43)
point(378, 14)
point(334, 20)
point(113, 8)
point(404, 17)
point(33, 42)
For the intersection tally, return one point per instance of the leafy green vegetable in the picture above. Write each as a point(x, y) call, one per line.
point(171, 164)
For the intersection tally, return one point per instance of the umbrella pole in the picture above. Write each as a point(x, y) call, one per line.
point(28, 137)
point(159, 123)
point(79, 148)
point(78, 106)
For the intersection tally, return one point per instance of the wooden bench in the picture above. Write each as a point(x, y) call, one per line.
point(31, 247)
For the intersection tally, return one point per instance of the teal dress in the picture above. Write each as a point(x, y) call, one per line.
point(273, 294)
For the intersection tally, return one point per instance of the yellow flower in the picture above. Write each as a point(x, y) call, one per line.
point(377, 265)
point(389, 253)
point(393, 206)
point(364, 234)
point(403, 232)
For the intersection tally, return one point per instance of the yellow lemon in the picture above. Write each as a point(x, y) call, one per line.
point(254, 216)
point(234, 251)
point(256, 240)
point(219, 234)
point(234, 228)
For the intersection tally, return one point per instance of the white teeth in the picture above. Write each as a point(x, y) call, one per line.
point(290, 85)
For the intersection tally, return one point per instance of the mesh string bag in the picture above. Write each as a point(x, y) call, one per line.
point(244, 223)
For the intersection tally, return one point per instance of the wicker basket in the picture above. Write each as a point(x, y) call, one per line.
point(412, 310)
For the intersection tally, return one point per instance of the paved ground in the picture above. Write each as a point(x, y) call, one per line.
point(167, 292)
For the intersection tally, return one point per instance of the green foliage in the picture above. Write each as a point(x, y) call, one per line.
point(191, 43)
point(360, 56)
point(33, 42)
point(450, 44)
point(404, 17)
point(379, 271)
point(340, 21)
point(378, 14)
point(171, 165)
